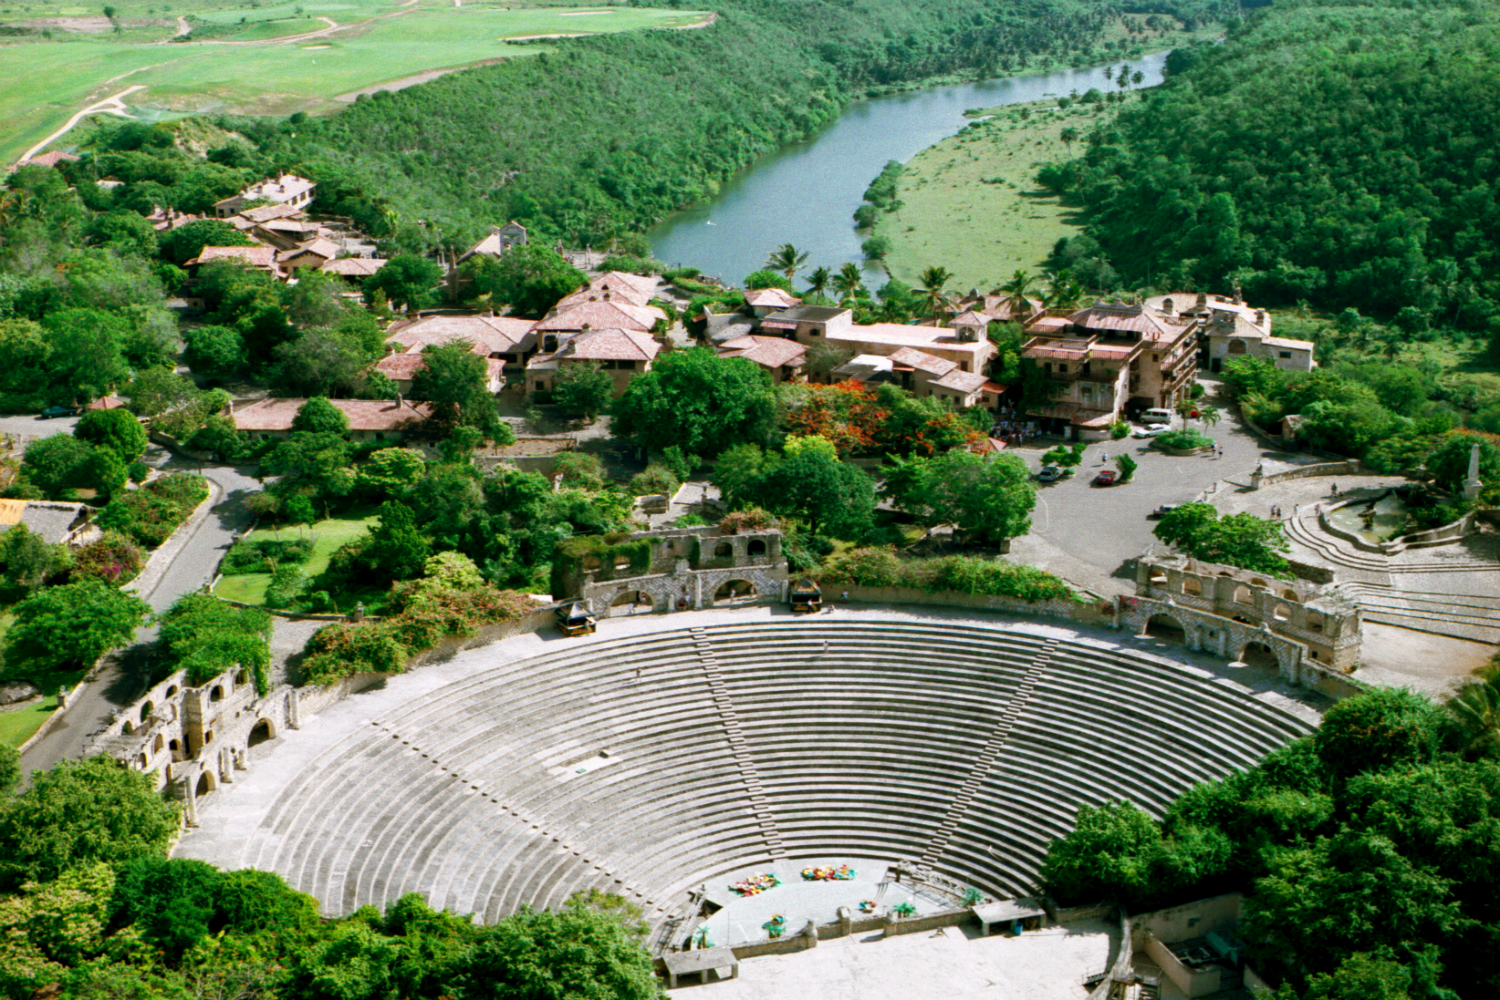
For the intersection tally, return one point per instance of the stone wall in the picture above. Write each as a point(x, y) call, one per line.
point(1348, 467)
point(1084, 612)
point(1323, 622)
point(687, 568)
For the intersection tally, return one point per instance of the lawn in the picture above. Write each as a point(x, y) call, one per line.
point(47, 81)
point(328, 537)
point(972, 204)
point(17, 727)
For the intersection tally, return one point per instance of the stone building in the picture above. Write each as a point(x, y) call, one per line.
point(1229, 328)
point(1317, 617)
point(674, 569)
point(286, 189)
point(192, 739)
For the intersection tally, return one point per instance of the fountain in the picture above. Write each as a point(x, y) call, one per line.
point(1375, 520)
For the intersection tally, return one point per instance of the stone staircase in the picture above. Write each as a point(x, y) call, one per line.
point(1461, 616)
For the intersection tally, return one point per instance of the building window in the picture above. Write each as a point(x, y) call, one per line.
point(1286, 354)
point(1061, 367)
point(1156, 357)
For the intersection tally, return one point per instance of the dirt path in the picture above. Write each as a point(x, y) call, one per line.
point(109, 106)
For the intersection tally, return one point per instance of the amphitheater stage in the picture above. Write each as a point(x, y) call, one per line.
point(797, 900)
point(950, 964)
point(668, 752)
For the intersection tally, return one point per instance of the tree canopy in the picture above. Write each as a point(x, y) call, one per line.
point(698, 401)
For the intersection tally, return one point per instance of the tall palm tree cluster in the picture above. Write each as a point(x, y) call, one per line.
point(933, 299)
point(1476, 708)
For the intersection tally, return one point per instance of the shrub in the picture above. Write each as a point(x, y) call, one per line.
point(286, 586)
point(258, 555)
point(206, 636)
point(112, 558)
point(1184, 440)
point(657, 478)
point(751, 519)
point(1118, 429)
point(879, 567)
point(150, 514)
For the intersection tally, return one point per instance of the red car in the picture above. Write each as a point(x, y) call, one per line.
point(1106, 478)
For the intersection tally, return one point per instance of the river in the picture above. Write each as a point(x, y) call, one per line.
point(806, 193)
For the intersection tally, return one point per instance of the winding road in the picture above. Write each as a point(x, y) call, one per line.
point(184, 564)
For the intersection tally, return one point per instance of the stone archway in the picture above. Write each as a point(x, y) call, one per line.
point(1236, 347)
point(206, 783)
point(630, 601)
point(1258, 654)
point(1167, 629)
point(262, 732)
point(735, 592)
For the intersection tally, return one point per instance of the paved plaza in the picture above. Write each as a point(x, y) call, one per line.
point(951, 963)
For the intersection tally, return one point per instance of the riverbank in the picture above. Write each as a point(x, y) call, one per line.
point(971, 202)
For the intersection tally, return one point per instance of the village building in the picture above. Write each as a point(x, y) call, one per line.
point(1107, 360)
point(762, 302)
point(925, 374)
point(1228, 328)
point(623, 354)
point(505, 338)
point(55, 521)
point(164, 220)
point(781, 357)
point(285, 233)
point(262, 258)
point(497, 242)
point(599, 312)
point(810, 324)
point(353, 269)
point(313, 254)
point(50, 159)
point(287, 189)
point(369, 419)
point(868, 370)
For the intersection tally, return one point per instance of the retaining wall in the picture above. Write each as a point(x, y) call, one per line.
point(1086, 612)
point(1347, 467)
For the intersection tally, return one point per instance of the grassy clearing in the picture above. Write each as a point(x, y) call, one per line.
point(972, 204)
point(47, 81)
point(328, 537)
point(18, 726)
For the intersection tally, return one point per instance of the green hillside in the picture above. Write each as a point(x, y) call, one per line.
point(606, 134)
point(1338, 153)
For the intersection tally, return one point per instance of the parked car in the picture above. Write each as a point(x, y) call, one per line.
point(1049, 474)
point(1164, 508)
point(1150, 432)
point(1156, 415)
point(1106, 478)
point(56, 411)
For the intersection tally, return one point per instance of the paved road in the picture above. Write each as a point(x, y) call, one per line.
point(186, 564)
point(1092, 534)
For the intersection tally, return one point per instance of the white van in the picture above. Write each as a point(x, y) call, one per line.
point(1156, 415)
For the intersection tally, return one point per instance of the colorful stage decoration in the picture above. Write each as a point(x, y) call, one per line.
point(756, 884)
point(828, 873)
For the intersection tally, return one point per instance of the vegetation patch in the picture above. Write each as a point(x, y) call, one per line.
point(880, 567)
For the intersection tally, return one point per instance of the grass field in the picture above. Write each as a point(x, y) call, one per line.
point(47, 81)
point(972, 204)
point(328, 536)
point(17, 727)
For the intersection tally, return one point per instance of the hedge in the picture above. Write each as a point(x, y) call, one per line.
point(384, 646)
point(255, 555)
point(880, 567)
point(150, 514)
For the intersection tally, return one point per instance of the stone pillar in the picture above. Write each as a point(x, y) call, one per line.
point(192, 800)
point(810, 935)
point(1472, 483)
point(846, 922)
point(1224, 642)
point(891, 922)
point(294, 709)
point(697, 593)
point(226, 766)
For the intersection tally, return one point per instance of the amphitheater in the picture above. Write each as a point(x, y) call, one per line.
point(669, 752)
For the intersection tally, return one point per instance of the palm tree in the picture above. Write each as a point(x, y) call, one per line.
point(934, 279)
point(848, 282)
point(1069, 136)
point(1477, 709)
point(1016, 290)
point(817, 283)
point(1063, 291)
point(787, 259)
point(1209, 414)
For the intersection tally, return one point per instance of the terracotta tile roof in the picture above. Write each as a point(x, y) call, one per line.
point(1047, 324)
point(971, 318)
point(1067, 350)
point(961, 381)
point(774, 298)
point(1132, 319)
point(998, 307)
point(624, 294)
point(496, 334)
point(768, 352)
point(1287, 342)
point(610, 345)
point(611, 315)
point(363, 414)
point(922, 361)
point(254, 256)
point(110, 402)
point(353, 267)
point(644, 284)
point(266, 213)
point(401, 367)
point(327, 249)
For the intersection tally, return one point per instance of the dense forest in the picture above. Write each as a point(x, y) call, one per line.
point(1339, 153)
point(1368, 852)
point(604, 135)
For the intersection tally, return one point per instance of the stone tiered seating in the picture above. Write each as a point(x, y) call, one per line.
point(469, 795)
